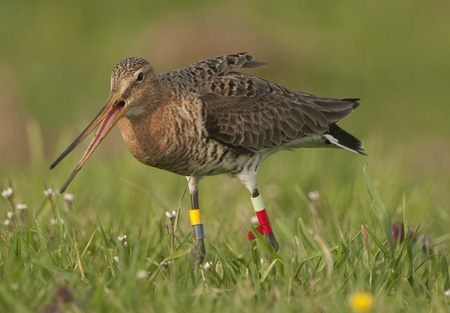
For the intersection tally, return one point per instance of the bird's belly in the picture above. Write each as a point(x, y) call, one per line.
point(203, 158)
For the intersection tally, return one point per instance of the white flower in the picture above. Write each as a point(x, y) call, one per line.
point(314, 195)
point(21, 206)
point(123, 240)
point(6, 222)
point(7, 193)
point(171, 215)
point(254, 220)
point(68, 196)
point(68, 201)
point(447, 293)
point(116, 258)
point(207, 266)
point(166, 264)
point(141, 274)
point(10, 215)
point(54, 221)
point(49, 192)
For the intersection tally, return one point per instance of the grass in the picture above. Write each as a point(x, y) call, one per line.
point(326, 255)
point(394, 55)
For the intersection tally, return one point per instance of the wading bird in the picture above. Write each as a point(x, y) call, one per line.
point(208, 119)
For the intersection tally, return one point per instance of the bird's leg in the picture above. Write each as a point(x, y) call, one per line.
point(264, 223)
point(199, 235)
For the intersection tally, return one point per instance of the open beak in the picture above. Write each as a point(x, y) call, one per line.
point(111, 112)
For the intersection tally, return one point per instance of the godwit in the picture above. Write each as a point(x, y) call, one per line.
point(207, 119)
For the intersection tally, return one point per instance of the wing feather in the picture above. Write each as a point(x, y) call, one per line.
point(251, 114)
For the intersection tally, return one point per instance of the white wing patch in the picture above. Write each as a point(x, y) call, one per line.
point(335, 142)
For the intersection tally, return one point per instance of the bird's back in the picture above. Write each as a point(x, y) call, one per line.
point(249, 114)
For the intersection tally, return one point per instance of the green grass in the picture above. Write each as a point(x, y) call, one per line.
point(54, 74)
point(322, 261)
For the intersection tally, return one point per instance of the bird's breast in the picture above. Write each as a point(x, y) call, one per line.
point(170, 137)
point(149, 138)
point(174, 143)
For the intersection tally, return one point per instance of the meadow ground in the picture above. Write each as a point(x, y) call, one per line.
point(343, 253)
point(329, 251)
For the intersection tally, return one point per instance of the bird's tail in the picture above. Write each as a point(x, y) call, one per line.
point(339, 137)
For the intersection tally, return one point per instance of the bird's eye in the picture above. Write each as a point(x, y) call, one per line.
point(140, 77)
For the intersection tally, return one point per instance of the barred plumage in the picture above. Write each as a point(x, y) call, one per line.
point(207, 119)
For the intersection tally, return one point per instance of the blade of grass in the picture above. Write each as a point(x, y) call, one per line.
point(444, 272)
point(177, 217)
point(408, 243)
point(307, 235)
point(177, 254)
point(270, 269)
point(105, 237)
point(380, 211)
point(268, 249)
point(88, 244)
point(54, 269)
point(83, 277)
point(10, 301)
point(376, 240)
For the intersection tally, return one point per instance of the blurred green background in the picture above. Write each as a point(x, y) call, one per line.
point(56, 58)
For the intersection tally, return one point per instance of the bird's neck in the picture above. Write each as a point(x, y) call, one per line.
point(144, 132)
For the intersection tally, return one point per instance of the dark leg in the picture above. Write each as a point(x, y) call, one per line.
point(194, 214)
point(263, 219)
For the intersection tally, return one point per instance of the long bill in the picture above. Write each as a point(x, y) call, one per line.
point(111, 112)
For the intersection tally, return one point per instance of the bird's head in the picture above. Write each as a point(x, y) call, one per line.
point(130, 81)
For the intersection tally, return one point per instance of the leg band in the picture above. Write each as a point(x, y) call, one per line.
point(258, 203)
point(195, 217)
point(196, 223)
point(198, 231)
point(264, 223)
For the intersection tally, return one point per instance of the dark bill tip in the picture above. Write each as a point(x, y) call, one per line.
point(64, 187)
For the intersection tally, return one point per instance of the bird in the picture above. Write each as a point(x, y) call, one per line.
point(209, 118)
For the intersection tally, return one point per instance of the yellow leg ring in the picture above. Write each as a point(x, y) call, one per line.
point(195, 217)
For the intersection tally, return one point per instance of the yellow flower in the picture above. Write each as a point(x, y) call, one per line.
point(361, 302)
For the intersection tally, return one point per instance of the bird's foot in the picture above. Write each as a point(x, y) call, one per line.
point(199, 254)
